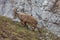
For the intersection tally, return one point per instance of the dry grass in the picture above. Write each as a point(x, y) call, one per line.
point(10, 30)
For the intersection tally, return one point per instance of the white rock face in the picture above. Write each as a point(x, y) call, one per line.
point(38, 8)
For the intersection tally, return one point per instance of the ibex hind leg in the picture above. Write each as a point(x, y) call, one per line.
point(35, 28)
point(29, 26)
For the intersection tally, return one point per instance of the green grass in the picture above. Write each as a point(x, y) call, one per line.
point(10, 30)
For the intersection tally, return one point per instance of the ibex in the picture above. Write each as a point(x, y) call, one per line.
point(26, 19)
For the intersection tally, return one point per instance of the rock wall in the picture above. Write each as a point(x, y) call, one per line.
point(45, 11)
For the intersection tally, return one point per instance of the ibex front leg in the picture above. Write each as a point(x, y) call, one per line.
point(23, 23)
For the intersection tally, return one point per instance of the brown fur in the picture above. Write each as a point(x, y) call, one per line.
point(26, 19)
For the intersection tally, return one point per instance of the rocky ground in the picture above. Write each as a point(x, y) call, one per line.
point(10, 30)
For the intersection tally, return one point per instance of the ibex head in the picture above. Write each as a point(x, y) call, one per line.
point(15, 12)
